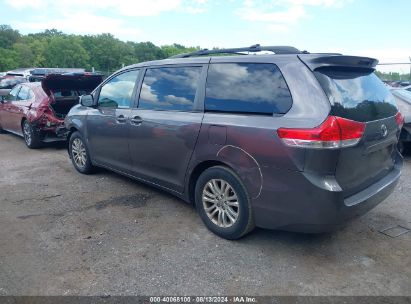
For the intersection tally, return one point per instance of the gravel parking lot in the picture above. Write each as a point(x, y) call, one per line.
point(62, 233)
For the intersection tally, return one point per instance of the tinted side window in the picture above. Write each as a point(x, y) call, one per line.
point(13, 94)
point(170, 88)
point(117, 93)
point(31, 93)
point(247, 87)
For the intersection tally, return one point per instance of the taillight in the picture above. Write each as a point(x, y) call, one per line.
point(399, 119)
point(335, 132)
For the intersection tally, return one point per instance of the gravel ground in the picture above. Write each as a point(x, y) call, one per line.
point(62, 233)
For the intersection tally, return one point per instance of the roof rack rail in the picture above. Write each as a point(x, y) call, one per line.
point(240, 51)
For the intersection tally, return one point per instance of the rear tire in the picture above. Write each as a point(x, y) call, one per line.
point(31, 137)
point(79, 154)
point(223, 203)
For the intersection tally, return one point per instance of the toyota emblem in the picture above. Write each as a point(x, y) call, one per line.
point(384, 130)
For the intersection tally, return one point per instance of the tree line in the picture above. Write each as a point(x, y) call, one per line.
point(393, 76)
point(104, 52)
point(53, 48)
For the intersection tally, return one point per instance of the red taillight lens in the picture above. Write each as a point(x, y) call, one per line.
point(335, 132)
point(399, 119)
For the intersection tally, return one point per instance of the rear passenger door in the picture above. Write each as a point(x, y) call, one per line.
point(108, 124)
point(6, 113)
point(19, 107)
point(165, 125)
point(247, 100)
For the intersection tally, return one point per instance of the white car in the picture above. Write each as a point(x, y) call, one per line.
point(24, 72)
point(403, 99)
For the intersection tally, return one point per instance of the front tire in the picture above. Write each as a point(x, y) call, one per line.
point(223, 203)
point(31, 137)
point(80, 157)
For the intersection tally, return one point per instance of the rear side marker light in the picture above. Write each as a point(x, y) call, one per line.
point(335, 132)
point(399, 119)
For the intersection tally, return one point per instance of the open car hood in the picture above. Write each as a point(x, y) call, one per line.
point(58, 82)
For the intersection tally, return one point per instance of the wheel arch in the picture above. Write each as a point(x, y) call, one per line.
point(76, 124)
point(196, 172)
point(70, 132)
point(22, 121)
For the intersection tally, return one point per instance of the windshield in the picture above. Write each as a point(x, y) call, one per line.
point(69, 93)
point(356, 94)
point(8, 83)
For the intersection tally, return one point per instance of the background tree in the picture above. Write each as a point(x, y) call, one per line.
point(66, 51)
point(104, 52)
point(53, 48)
point(8, 59)
point(175, 49)
point(393, 76)
point(8, 36)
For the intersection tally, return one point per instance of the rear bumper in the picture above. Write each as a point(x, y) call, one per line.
point(365, 200)
point(304, 207)
point(52, 134)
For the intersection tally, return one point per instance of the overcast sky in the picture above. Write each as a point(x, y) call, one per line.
point(375, 28)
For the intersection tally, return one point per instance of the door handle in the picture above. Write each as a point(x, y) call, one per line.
point(121, 119)
point(136, 120)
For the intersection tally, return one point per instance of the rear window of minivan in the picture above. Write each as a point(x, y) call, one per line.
point(257, 88)
point(356, 94)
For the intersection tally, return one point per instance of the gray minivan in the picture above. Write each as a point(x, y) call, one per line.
point(283, 140)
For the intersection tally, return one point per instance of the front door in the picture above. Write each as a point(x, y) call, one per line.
point(108, 124)
point(165, 126)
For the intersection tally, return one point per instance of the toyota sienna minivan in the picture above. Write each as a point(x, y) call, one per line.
point(282, 140)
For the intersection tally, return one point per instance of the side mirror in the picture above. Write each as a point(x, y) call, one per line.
point(87, 100)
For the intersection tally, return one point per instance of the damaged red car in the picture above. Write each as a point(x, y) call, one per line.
point(36, 111)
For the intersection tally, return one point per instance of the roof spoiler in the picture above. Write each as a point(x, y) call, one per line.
point(336, 60)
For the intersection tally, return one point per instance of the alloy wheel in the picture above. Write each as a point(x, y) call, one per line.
point(220, 203)
point(27, 132)
point(79, 154)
